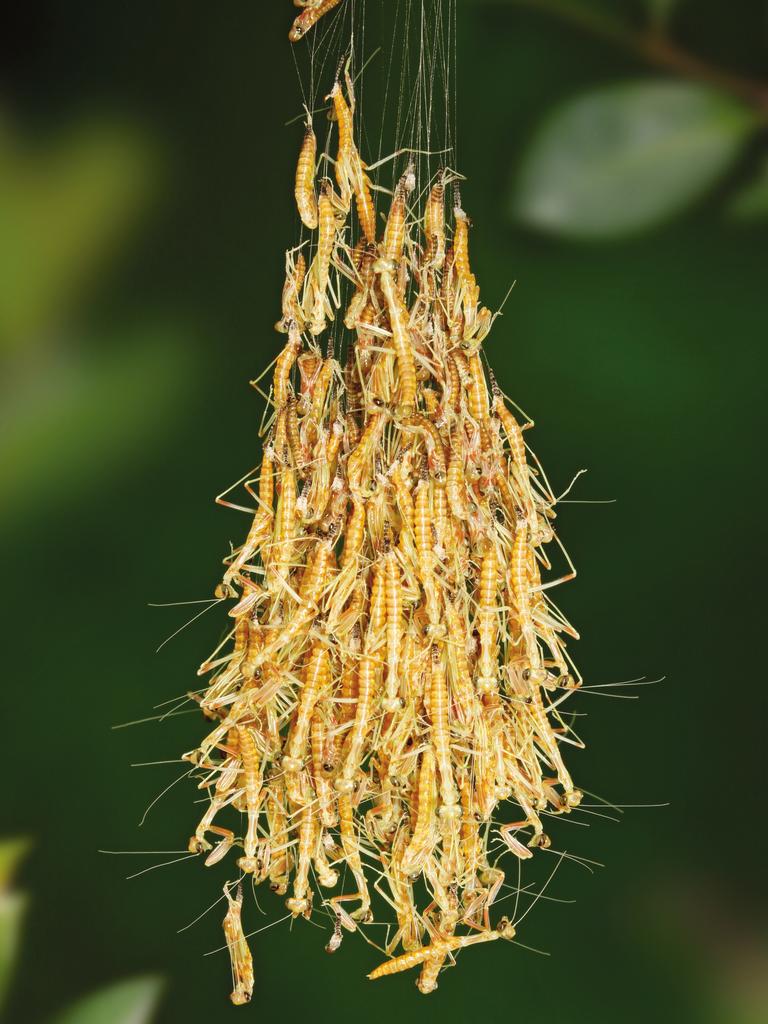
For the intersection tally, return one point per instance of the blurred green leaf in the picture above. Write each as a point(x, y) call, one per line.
point(661, 11)
point(128, 1002)
point(11, 853)
point(63, 206)
point(12, 907)
point(751, 202)
point(625, 157)
point(76, 422)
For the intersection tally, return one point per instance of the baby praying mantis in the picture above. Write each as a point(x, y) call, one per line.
point(395, 666)
point(239, 953)
point(313, 11)
point(435, 954)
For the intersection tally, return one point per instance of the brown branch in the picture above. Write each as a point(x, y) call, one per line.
point(656, 49)
point(653, 47)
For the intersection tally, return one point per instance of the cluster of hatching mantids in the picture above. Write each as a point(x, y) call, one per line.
point(395, 669)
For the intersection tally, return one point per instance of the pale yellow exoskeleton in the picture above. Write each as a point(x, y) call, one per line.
point(360, 461)
point(361, 723)
point(425, 549)
point(350, 169)
point(488, 620)
point(292, 312)
point(283, 367)
point(225, 791)
point(280, 555)
point(424, 827)
point(434, 225)
point(261, 526)
point(317, 676)
point(239, 953)
point(440, 729)
point(306, 200)
point(300, 903)
point(401, 343)
point(252, 775)
point(438, 949)
point(459, 671)
point(468, 292)
point(394, 610)
point(309, 17)
point(277, 819)
point(351, 849)
point(317, 305)
point(322, 766)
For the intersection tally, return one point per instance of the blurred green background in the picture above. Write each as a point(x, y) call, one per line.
point(145, 202)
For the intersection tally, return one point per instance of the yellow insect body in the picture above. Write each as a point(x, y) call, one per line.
point(487, 620)
point(434, 226)
point(316, 679)
point(295, 272)
point(239, 953)
point(391, 249)
point(394, 611)
point(309, 17)
point(423, 836)
point(401, 342)
point(306, 200)
point(440, 730)
point(252, 780)
point(439, 948)
point(319, 276)
point(283, 367)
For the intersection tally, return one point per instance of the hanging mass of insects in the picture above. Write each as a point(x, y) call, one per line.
point(385, 714)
